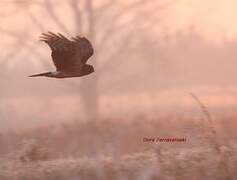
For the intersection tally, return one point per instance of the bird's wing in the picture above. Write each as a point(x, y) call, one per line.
point(62, 48)
point(67, 54)
point(84, 49)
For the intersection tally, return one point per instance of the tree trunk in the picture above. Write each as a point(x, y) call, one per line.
point(89, 92)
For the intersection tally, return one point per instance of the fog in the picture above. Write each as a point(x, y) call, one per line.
point(161, 103)
point(148, 57)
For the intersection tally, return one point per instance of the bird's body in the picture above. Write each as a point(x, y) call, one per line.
point(69, 56)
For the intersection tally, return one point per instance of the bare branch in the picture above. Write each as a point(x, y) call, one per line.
point(105, 6)
point(118, 16)
point(77, 15)
point(36, 21)
point(9, 33)
point(21, 2)
point(118, 51)
point(53, 15)
point(91, 19)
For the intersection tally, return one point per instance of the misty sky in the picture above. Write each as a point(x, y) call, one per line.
point(188, 45)
point(211, 24)
point(214, 19)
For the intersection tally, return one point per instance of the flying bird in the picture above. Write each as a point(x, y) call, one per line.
point(69, 56)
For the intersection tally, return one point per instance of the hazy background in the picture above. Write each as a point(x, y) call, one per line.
point(149, 55)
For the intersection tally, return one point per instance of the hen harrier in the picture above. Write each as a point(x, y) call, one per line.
point(69, 56)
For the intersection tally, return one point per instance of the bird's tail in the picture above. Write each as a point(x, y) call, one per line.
point(41, 74)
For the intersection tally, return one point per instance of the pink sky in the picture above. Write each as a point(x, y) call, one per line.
point(214, 19)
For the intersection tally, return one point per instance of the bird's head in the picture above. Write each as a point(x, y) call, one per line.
point(88, 69)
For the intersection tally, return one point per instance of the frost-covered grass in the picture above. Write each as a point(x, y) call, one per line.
point(115, 150)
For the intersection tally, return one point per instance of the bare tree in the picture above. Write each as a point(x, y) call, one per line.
point(105, 23)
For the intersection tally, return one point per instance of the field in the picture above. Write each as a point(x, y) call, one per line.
point(116, 149)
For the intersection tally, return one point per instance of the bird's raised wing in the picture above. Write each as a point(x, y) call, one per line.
point(68, 54)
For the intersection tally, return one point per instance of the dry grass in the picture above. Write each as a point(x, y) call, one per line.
point(115, 150)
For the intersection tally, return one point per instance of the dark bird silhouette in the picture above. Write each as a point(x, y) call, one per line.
point(69, 56)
